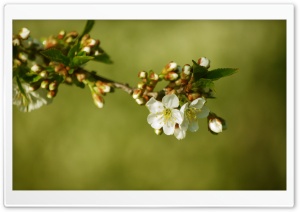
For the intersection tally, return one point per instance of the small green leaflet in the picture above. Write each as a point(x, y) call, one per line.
point(56, 55)
point(80, 60)
point(220, 72)
point(199, 71)
point(73, 50)
point(203, 83)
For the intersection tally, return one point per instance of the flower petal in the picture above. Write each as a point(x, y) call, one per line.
point(179, 133)
point(193, 126)
point(198, 103)
point(170, 101)
point(184, 107)
point(204, 112)
point(154, 106)
point(156, 120)
point(177, 116)
point(169, 127)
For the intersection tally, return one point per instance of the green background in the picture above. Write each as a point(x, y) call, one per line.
point(72, 145)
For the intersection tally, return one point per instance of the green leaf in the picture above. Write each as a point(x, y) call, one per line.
point(73, 50)
point(199, 71)
point(88, 27)
point(203, 83)
point(56, 55)
point(219, 73)
point(104, 58)
point(80, 60)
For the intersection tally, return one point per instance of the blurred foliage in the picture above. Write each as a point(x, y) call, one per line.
point(72, 145)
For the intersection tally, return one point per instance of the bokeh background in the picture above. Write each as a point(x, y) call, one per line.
point(72, 145)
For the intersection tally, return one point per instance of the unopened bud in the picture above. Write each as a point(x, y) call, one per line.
point(104, 87)
point(16, 42)
point(92, 42)
point(171, 66)
point(53, 85)
point(61, 34)
point(44, 74)
point(142, 74)
point(193, 96)
point(51, 94)
point(98, 100)
point(72, 34)
point(215, 123)
point(171, 76)
point(45, 84)
point(24, 33)
point(186, 69)
point(23, 56)
point(158, 131)
point(141, 85)
point(140, 101)
point(17, 62)
point(35, 68)
point(80, 76)
point(137, 93)
point(203, 61)
point(86, 49)
point(153, 76)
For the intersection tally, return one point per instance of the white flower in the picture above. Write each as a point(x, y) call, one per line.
point(192, 111)
point(215, 125)
point(163, 114)
point(31, 100)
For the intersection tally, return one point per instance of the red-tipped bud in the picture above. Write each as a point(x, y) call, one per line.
point(61, 34)
point(53, 86)
point(44, 74)
point(158, 131)
point(193, 96)
point(80, 76)
point(171, 76)
point(203, 61)
point(51, 94)
point(153, 76)
point(35, 68)
point(141, 85)
point(137, 93)
point(45, 84)
point(215, 123)
point(171, 66)
point(98, 100)
point(140, 101)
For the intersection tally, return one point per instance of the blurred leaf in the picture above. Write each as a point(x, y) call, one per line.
point(204, 83)
point(80, 60)
point(73, 50)
point(56, 55)
point(220, 72)
point(104, 58)
point(199, 71)
point(88, 27)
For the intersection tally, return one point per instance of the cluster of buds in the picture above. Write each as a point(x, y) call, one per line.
point(145, 87)
point(90, 46)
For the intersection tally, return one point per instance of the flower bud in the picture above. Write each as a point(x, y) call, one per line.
point(140, 101)
point(51, 94)
point(16, 42)
point(34, 86)
point(17, 62)
point(193, 96)
point(92, 42)
point(44, 74)
point(186, 72)
point(24, 33)
point(23, 56)
point(98, 100)
point(158, 131)
point(35, 68)
point(142, 74)
point(171, 76)
point(104, 87)
point(61, 34)
point(153, 76)
point(86, 49)
point(203, 61)
point(171, 66)
point(53, 86)
point(45, 84)
point(141, 85)
point(72, 34)
point(80, 76)
point(136, 93)
point(215, 123)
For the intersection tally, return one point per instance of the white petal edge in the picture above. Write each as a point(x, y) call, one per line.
point(179, 133)
point(170, 101)
point(154, 106)
point(169, 128)
point(193, 126)
point(204, 112)
point(177, 116)
point(198, 103)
